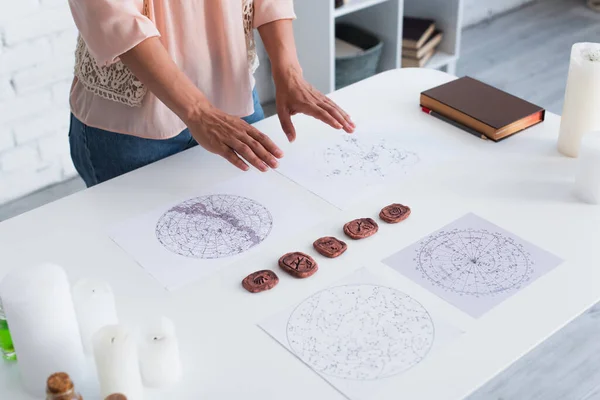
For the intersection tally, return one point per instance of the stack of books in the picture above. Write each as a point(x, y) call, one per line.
point(420, 39)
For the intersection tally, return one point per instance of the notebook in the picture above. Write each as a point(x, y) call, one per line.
point(430, 45)
point(482, 108)
point(417, 63)
point(416, 31)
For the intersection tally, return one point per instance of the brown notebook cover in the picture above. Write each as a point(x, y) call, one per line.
point(482, 107)
point(431, 44)
point(417, 63)
point(416, 31)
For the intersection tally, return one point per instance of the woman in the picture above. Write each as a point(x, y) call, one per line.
point(195, 59)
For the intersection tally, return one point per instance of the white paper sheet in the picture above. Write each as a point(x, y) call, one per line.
point(473, 264)
point(360, 334)
point(192, 238)
point(346, 168)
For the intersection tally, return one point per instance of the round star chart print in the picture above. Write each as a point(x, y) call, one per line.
point(214, 226)
point(474, 262)
point(360, 332)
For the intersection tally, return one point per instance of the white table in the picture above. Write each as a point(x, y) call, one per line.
point(522, 184)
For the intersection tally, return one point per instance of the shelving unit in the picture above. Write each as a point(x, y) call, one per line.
point(355, 5)
point(315, 32)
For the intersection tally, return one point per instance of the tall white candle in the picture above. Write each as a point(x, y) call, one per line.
point(117, 363)
point(587, 182)
point(39, 309)
point(582, 98)
point(95, 308)
point(159, 354)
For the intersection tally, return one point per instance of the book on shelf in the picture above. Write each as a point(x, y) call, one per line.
point(431, 44)
point(417, 62)
point(416, 31)
point(478, 107)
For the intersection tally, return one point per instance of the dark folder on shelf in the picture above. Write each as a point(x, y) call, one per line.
point(482, 108)
point(416, 31)
point(427, 48)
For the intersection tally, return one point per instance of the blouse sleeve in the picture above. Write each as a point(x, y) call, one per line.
point(111, 27)
point(266, 11)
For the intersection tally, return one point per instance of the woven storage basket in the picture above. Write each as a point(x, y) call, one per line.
point(349, 70)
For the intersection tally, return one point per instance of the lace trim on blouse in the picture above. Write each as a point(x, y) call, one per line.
point(116, 82)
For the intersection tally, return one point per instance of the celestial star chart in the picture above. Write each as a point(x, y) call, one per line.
point(474, 262)
point(214, 226)
point(360, 332)
point(361, 158)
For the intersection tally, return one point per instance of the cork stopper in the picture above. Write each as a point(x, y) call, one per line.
point(116, 396)
point(59, 383)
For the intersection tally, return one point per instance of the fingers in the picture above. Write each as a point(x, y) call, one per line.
point(261, 152)
point(336, 113)
point(265, 141)
point(286, 124)
point(320, 114)
point(349, 123)
point(233, 158)
point(249, 155)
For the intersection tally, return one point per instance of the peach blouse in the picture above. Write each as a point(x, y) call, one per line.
point(205, 38)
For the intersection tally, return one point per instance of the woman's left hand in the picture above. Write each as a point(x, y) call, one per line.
point(295, 95)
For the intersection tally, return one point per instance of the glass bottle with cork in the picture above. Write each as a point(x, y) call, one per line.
point(7, 350)
point(60, 387)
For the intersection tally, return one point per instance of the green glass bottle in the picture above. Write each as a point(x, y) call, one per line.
point(7, 349)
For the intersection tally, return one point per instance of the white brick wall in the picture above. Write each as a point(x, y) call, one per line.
point(37, 41)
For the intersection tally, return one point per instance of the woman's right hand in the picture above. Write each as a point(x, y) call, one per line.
point(216, 131)
point(232, 138)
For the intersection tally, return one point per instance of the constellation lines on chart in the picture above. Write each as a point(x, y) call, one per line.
point(360, 332)
point(372, 160)
point(474, 262)
point(214, 226)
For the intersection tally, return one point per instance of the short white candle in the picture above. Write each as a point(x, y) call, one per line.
point(159, 354)
point(117, 363)
point(39, 310)
point(95, 308)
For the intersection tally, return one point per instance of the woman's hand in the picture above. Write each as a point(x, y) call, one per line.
point(231, 137)
point(216, 131)
point(295, 95)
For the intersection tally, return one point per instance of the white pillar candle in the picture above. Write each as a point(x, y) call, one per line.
point(95, 308)
point(117, 363)
point(587, 181)
point(39, 310)
point(159, 354)
point(582, 98)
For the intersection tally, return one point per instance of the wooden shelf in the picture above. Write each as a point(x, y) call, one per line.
point(355, 5)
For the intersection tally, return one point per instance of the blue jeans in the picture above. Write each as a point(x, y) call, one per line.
point(100, 155)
